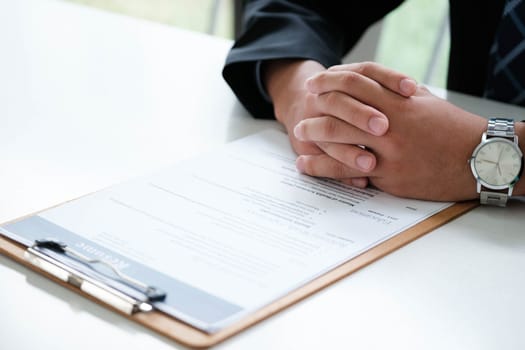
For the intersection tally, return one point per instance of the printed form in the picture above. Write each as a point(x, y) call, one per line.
point(232, 230)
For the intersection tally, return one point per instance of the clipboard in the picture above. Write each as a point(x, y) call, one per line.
point(187, 335)
point(248, 198)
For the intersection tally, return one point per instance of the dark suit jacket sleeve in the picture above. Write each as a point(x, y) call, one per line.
point(323, 31)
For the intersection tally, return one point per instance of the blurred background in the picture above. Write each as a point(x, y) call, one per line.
point(413, 39)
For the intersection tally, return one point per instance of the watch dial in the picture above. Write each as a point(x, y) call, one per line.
point(498, 163)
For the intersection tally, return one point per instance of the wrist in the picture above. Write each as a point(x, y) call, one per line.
point(284, 81)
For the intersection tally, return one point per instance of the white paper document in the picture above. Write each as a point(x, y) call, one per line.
point(228, 232)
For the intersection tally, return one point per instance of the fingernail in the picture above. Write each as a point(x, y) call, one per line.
point(408, 86)
point(298, 131)
point(299, 164)
point(360, 182)
point(364, 162)
point(378, 125)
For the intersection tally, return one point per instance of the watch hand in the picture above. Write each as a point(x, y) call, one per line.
point(488, 161)
point(500, 153)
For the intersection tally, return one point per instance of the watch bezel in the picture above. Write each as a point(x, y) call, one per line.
point(484, 142)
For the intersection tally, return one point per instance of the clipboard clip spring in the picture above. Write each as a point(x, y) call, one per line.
point(97, 289)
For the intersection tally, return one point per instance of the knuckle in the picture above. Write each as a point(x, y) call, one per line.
point(331, 98)
point(310, 101)
point(303, 128)
point(338, 170)
point(360, 67)
point(349, 78)
point(366, 68)
point(319, 79)
point(329, 127)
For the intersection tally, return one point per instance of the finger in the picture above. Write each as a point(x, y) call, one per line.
point(352, 111)
point(301, 147)
point(389, 78)
point(330, 129)
point(360, 182)
point(351, 156)
point(358, 86)
point(325, 166)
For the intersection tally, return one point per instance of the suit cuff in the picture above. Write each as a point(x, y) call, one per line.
point(259, 82)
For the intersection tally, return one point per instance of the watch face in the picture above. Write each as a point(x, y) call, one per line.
point(497, 163)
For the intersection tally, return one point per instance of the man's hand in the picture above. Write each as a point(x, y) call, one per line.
point(288, 83)
point(423, 154)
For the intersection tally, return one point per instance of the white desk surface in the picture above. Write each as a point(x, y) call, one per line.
point(89, 98)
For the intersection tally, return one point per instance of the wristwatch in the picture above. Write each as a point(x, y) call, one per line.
point(497, 162)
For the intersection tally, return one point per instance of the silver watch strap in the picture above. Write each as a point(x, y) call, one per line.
point(493, 198)
point(501, 127)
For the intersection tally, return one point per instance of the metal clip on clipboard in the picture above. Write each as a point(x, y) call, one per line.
point(118, 299)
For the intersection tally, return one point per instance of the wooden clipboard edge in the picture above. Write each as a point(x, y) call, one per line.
point(192, 337)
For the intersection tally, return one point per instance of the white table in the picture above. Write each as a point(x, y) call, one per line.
point(88, 99)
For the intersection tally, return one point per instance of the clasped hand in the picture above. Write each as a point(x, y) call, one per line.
point(366, 124)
